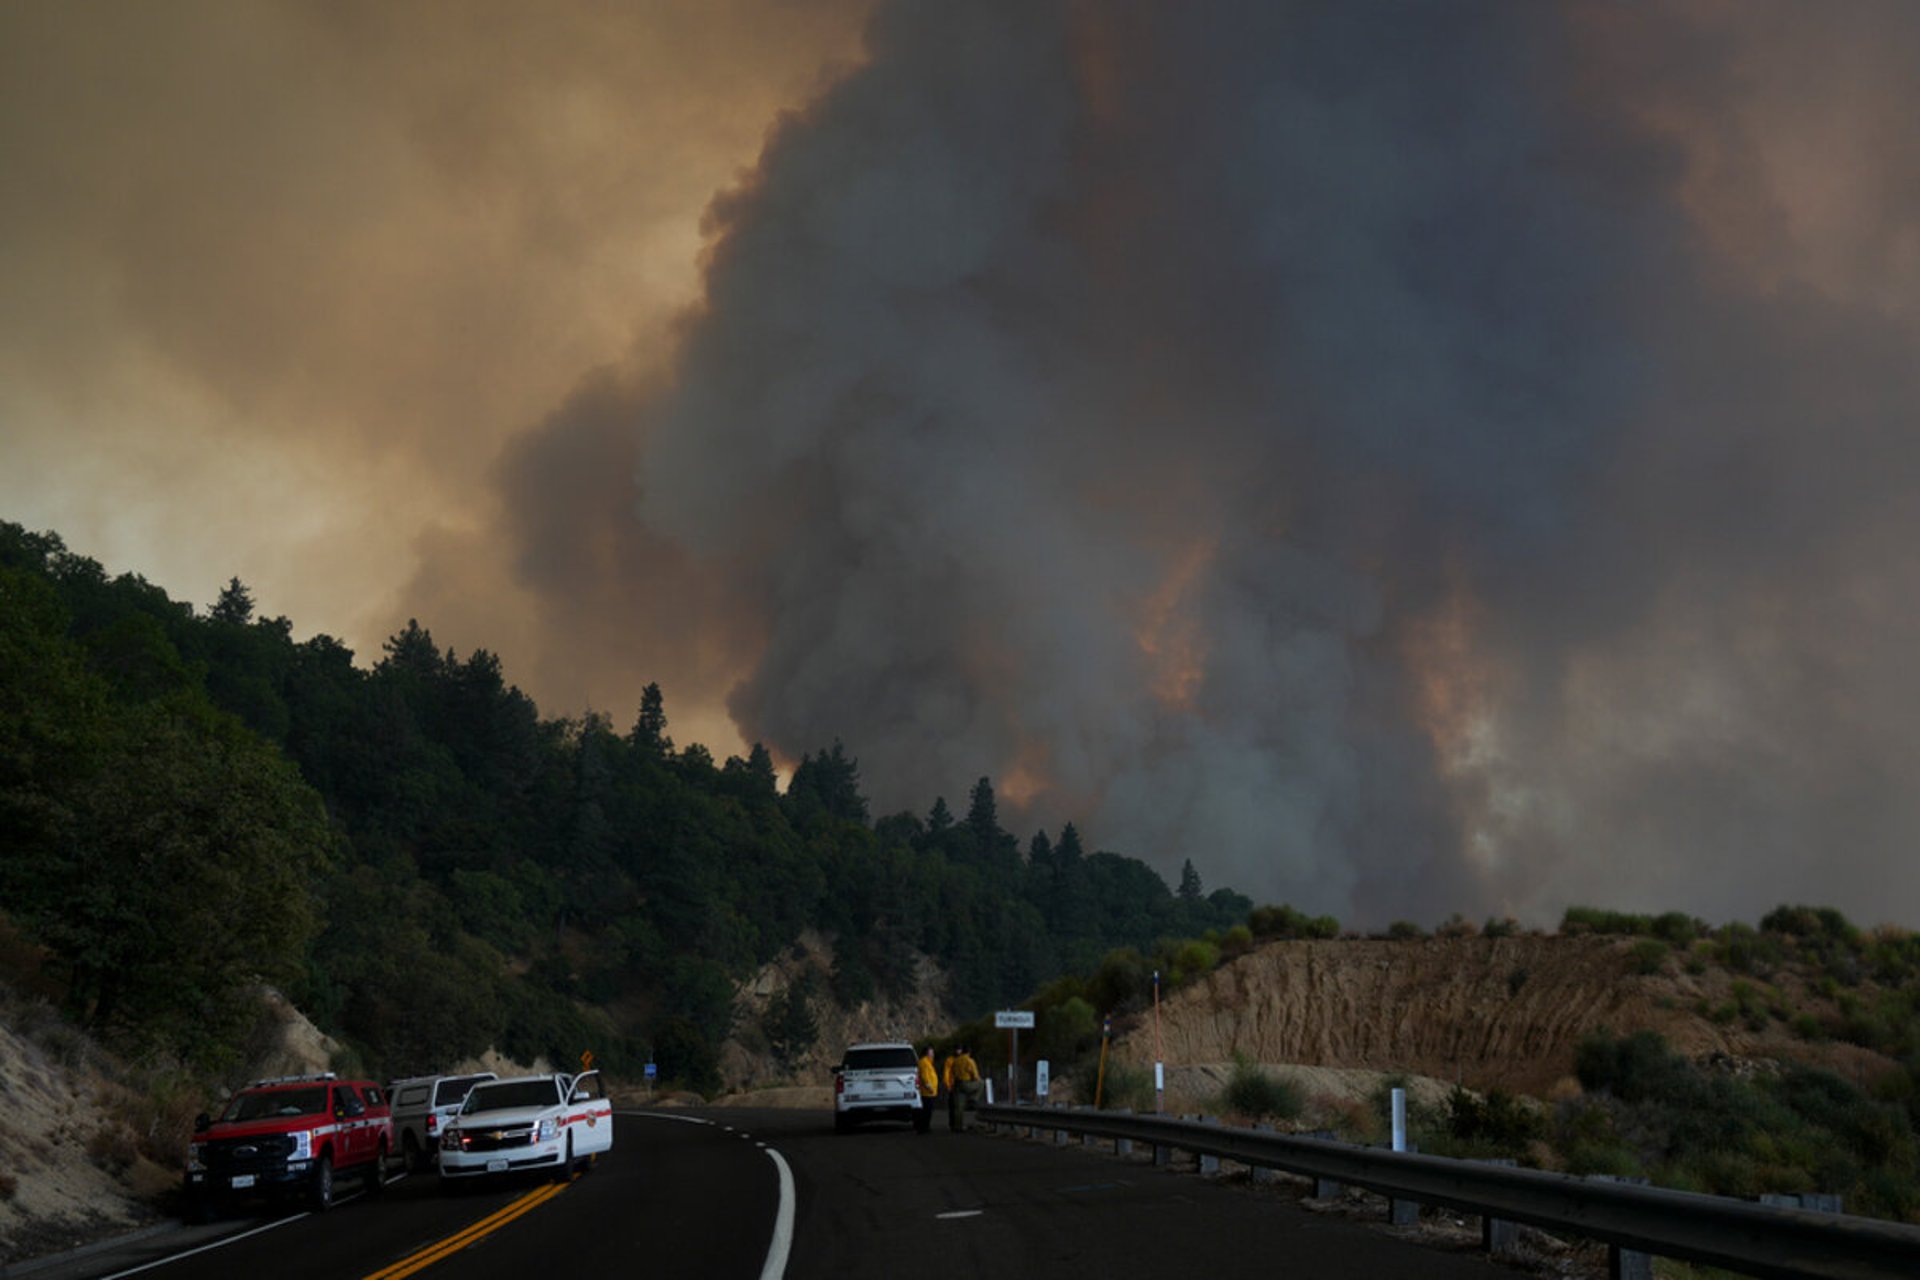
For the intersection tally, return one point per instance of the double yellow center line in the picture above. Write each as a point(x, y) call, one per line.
point(433, 1253)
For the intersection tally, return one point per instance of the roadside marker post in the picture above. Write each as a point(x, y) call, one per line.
point(1159, 1054)
point(1013, 1020)
point(1100, 1080)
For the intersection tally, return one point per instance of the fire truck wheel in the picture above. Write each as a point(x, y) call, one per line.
point(320, 1193)
point(377, 1172)
point(565, 1172)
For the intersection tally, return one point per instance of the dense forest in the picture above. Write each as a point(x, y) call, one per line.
point(192, 801)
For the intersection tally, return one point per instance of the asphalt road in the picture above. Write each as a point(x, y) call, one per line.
point(750, 1194)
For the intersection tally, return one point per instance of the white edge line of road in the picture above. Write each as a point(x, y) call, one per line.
point(782, 1242)
point(221, 1243)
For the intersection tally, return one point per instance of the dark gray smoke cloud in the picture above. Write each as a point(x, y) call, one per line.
point(1404, 458)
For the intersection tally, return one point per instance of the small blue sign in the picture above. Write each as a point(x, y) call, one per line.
point(652, 1071)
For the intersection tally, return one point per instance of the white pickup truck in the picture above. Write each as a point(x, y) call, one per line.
point(877, 1081)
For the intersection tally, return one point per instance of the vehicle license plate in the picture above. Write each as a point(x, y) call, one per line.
point(496, 1166)
point(241, 1181)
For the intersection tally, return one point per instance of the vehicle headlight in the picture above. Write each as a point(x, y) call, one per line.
point(451, 1140)
point(195, 1152)
point(302, 1145)
point(547, 1129)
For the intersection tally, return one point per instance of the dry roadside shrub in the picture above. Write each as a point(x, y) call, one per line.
point(113, 1147)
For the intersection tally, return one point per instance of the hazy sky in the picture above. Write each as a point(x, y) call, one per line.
point(1405, 458)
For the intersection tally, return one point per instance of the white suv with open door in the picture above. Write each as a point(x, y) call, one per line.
point(557, 1122)
point(877, 1081)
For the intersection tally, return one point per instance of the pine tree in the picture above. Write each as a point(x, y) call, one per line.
point(650, 728)
point(939, 818)
point(235, 604)
point(1189, 890)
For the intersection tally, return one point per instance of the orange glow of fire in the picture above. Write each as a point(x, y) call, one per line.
point(1453, 685)
point(1026, 778)
point(1169, 636)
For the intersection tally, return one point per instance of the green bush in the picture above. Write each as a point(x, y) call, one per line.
point(1284, 921)
point(1403, 930)
point(1678, 928)
point(1637, 1067)
point(1125, 1087)
point(1252, 1092)
point(1192, 959)
point(1647, 956)
point(1123, 982)
point(1599, 920)
point(1498, 1123)
point(1067, 1030)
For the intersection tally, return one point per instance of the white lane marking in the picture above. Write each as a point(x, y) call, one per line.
point(782, 1240)
point(205, 1248)
point(961, 1213)
point(664, 1115)
point(782, 1243)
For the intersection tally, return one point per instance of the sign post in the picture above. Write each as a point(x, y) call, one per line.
point(1013, 1020)
point(1159, 1054)
point(653, 1070)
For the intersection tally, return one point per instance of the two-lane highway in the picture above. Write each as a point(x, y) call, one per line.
point(705, 1195)
point(672, 1197)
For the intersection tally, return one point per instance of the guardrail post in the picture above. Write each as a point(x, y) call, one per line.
point(1261, 1172)
point(1061, 1136)
point(1163, 1155)
point(1824, 1203)
point(1123, 1146)
point(1625, 1264)
point(1404, 1213)
point(1497, 1235)
point(1324, 1188)
point(1209, 1165)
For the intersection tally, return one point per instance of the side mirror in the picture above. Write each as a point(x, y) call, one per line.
point(202, 1122)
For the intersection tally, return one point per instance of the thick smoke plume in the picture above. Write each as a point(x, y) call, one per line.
point(1403, 458)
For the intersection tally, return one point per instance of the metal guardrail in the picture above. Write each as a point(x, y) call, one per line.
point(1755, 1239)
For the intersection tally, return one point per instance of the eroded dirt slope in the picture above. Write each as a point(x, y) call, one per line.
point(1482, 1011)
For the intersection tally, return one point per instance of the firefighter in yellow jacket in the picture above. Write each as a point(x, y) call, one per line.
point(964, 1089)
point(929, 1082)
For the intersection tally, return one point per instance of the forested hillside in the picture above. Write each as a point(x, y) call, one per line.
point(192, 800)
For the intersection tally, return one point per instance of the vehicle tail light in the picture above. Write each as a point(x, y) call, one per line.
point(839, 1085)
point(433, 1123)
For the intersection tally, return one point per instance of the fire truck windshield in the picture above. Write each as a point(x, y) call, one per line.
point(263, 1104)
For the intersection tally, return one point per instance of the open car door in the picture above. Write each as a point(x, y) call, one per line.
point(589, 1115)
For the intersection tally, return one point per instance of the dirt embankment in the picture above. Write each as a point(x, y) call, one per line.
point(76, 1138)
point(1485, 1012)
point(747, 1064)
